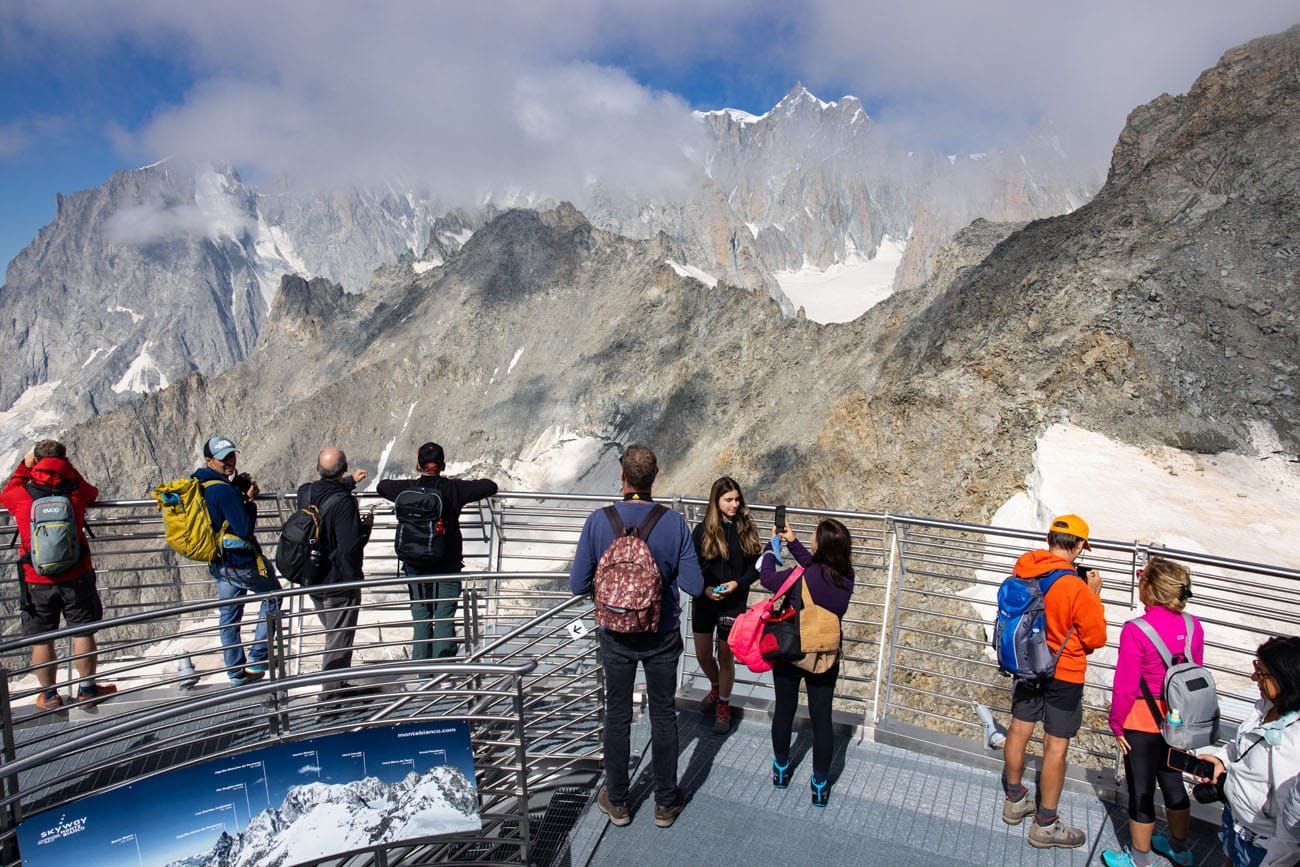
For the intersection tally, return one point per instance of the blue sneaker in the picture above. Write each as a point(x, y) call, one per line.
point(1111, 858)
point(780, 774)
point(821, 792)
point(1162, 845)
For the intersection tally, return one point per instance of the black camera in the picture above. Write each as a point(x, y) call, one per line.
point(242, 482)
point(1209, 793)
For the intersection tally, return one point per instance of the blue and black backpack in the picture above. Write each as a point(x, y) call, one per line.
point(1020, 632)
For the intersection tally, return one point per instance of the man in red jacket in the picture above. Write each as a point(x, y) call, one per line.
point(53, 590)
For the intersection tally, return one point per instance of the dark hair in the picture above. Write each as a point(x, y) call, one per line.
point(50, 449)
point(640, 466)
point(1281, 656)
point(834, 551)
point(1068, 541)
point(714, 542)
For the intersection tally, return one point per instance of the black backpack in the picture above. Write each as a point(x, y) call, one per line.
point(421, 539)
point(300, 557)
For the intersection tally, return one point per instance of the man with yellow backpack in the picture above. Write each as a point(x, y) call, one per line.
point(226, 541)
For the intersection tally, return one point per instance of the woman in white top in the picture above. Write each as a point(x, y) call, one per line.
point(1258, 769)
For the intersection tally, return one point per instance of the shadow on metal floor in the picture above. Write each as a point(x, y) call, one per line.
point(889, 806)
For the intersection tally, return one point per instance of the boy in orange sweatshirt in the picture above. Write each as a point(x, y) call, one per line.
point(1072, 608)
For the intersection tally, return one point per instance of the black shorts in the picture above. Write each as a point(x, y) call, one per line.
point(77, 601)
point(1058, 704)
point(707, 618)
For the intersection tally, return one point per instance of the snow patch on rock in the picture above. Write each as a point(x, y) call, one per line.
point(143, 375)
point(845, 290)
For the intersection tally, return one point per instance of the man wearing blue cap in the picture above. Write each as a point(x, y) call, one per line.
point(239, 567)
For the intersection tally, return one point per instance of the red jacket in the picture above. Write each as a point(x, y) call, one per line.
point(54, 473)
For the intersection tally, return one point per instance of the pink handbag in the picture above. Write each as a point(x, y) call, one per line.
point(746, 636)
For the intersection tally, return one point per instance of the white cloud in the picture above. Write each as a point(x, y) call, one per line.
point(537, 97)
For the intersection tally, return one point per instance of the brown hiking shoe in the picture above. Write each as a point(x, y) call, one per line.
point(1014, 812)
point(666, 815)
point(709, 702)
point(722, 718)
point(618, 813)
point(1056, 834)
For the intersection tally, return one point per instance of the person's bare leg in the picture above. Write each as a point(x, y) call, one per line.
point(1013, 751)
point(1052, 778)
point(726, 669)
point(704, 654)
point(83, 648)
point(43, 659)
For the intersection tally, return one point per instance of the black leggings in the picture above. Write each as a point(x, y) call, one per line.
point(1144, 764)
point(821, 689)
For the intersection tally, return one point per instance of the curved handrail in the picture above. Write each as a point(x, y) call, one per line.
point(167, 712)
point(290, 592)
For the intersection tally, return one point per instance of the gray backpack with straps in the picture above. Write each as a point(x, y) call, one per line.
point(1191, 698)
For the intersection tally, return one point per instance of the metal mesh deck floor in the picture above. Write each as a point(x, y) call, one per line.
point(889, 806)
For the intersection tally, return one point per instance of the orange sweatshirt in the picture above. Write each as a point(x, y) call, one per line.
point(1068, 603)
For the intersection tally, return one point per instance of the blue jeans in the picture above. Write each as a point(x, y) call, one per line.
point(232, 583)
point(1241, 853)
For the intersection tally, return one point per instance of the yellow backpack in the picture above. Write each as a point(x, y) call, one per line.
point(186, 523)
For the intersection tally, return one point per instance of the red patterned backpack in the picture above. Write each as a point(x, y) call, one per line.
point(629, 587)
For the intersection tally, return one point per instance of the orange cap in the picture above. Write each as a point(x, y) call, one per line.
point(1072, 524)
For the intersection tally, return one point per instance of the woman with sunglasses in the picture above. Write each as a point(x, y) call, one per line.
point(1164, 588)
point(1257, 770)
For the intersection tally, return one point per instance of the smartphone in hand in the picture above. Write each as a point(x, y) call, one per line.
point(780, 519)
point(1190, 764)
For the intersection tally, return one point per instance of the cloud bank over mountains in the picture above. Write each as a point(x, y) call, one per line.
point(545, 97)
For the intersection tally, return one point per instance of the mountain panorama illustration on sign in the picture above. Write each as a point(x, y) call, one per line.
point(979, 262)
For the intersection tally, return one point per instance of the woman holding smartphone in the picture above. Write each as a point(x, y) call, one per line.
point(727, 545)
point(828, 575)
point(1258, 772)
point(1164, 588)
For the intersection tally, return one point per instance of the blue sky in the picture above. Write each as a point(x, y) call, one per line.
point(544, 94)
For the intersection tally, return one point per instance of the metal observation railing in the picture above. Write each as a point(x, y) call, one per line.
point(916, 651)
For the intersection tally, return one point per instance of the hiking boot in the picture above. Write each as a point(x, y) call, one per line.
point(1164, 846)
point(821, 792)
point(780, 774)
point(246, 676)
point(95, 693)
point(1056, 834)
point(257, 668)
point(709, 702)
point(722, 718)
point(666, 815)
point(1014, 812)
point(618, 813)
point(53, 702)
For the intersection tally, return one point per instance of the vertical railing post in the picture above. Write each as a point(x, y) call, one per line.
point(275, 669)
point(1141, 553)
point(11, 815)
point(894, 628)
point(525, 832)
point(891, 537)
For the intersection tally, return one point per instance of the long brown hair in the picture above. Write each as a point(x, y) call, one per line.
point(714, 543)
point(835, 551)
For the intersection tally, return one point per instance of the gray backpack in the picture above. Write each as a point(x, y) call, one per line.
point(55, 547)
point(1191, 699)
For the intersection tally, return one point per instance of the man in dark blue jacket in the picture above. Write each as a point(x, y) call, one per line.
point(674, 553)
point(239, 567)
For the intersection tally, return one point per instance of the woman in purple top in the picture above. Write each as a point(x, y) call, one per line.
point(828, 573)
point(1164, 588)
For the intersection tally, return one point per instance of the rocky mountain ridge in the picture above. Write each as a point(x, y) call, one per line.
point(1161, 312)
point(171, 269)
